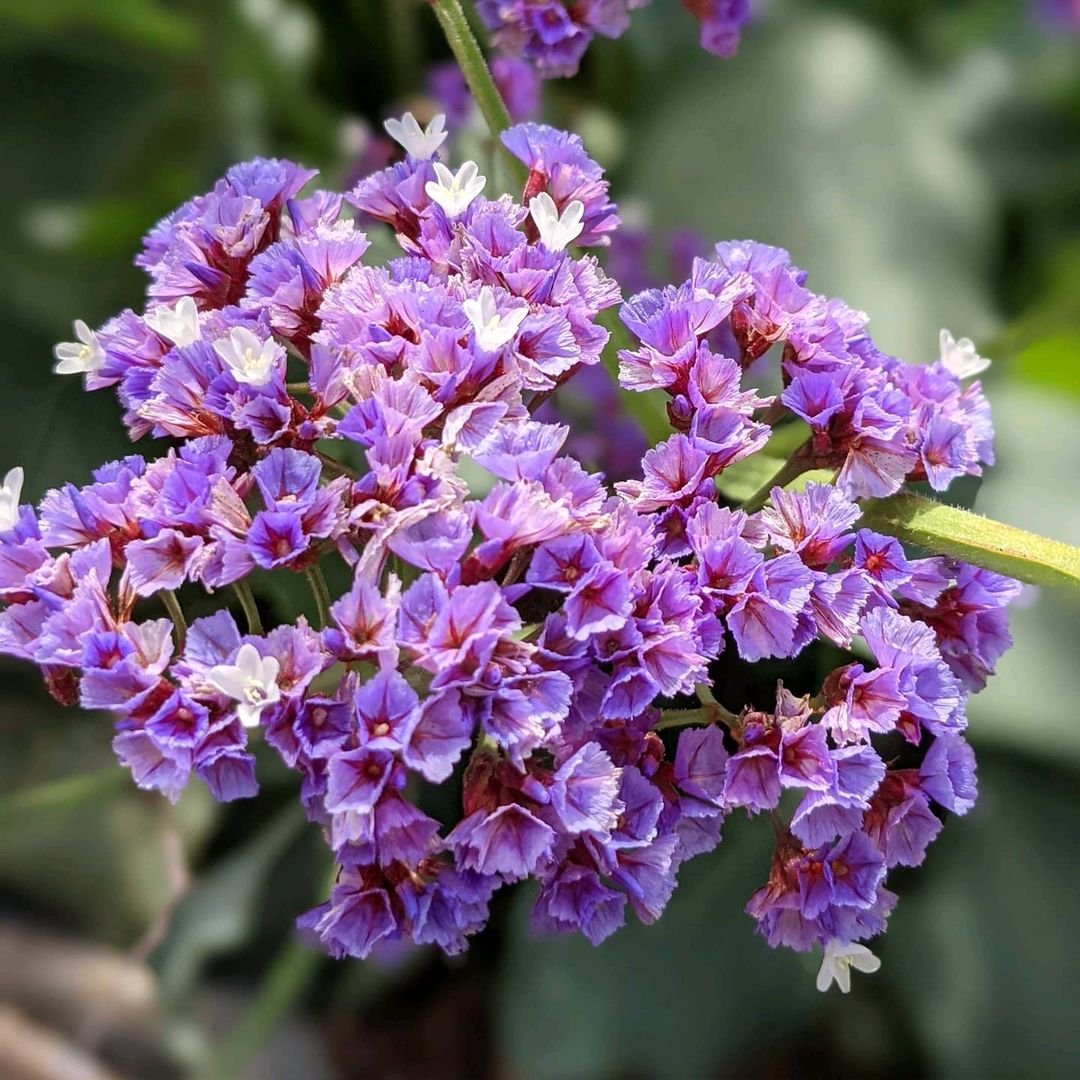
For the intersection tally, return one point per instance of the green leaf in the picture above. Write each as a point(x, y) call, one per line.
point(144, 23)
point(858, 171)
point(65, 795)
point(947, 530)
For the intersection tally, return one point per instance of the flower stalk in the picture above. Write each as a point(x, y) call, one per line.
point(470, 58)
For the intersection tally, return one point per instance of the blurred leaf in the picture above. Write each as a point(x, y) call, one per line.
point(221, 911)
point(745, 478)
point(62, 796)
point(848, 163)
point(948, 530)
point(1053, 362)
point(146, 23)
point(76, 835)
point(1042, 347)
point(677, 999)
point(1026, 705)
point(984, 953)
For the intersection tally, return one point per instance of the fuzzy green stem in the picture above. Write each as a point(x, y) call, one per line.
point(793, 468)
point(247, 602)
point(477, 74)
point(709, 713)
point(961, 534)
point(321, 593)
point(176, 613)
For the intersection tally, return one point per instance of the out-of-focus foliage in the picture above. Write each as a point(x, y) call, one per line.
point(921, 160)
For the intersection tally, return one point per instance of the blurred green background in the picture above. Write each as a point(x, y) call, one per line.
point(920, 159)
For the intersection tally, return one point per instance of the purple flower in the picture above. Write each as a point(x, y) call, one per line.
point(583, 794)
point(575, 898)
point(948, 774)
point(559, 165)
point(721, 23)
point(510, 842)
point(764, 619)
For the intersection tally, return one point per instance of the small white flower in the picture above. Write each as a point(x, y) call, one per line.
point(557, 230)
point(10, 492)
point(79, 357)
point(838, 961)
point(179, 324)
point(251, 681)
point(959, 358)
point(492, 330)
point(250, 359)
point(454, 191)
point(420, 143)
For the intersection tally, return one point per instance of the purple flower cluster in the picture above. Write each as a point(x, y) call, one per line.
point(554, 34)
point(876, 419)
point(511, 623)
point(797, 570)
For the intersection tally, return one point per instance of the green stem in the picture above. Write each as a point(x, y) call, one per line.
point(961, 534)
point(336, 466)
point(321, 593)
point(176, 613)
point(709, 713)
point(247, 602)
point(793, 468)
point(474, 67)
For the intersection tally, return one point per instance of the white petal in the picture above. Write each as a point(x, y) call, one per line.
point(249, 661)
point(249, 714)
point(179, 324)
point(67, 350)
point(268, 675)
point(960, 358)
point(444, 175)
point(227, 679)
point(13, 482)
point(825, 975)
point(863, 959)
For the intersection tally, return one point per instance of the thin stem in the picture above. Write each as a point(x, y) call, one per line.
point(708, 713)
point(474, 67)
point(336, 466)
point(299, 388)
point(793, 468)
point(247, 602)
point(176, 613)
point(321, 593)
